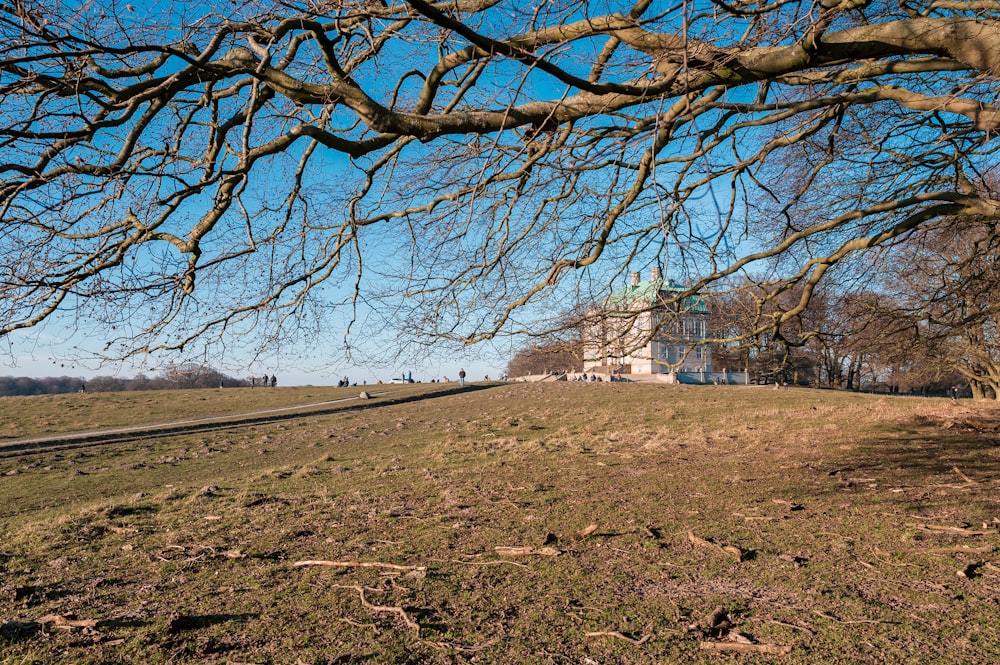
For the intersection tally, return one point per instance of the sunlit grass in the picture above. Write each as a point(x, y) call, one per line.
point(850, 514)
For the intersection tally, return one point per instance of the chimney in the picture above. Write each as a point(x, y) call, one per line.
point(654, 274)
point(634, 281)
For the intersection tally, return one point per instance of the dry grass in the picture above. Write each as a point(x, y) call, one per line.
point(829, 526)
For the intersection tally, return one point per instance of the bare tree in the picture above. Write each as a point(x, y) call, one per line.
point(464, 169)
point(753, 334)
point(555, 356)
point(949, 296)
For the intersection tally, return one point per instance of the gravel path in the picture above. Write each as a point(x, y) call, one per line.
point(74, 439)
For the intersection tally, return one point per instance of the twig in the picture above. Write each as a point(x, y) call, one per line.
point(964, 477)
point(939, 528)
point(60, 621)
point(792, 625)
point(961, 550)
point(357, 564)
point(970, 570)
point(492, 563)
point(620, 636)
point(448, 646)
point(745, 648)
point(728, 549)
point(387, 609)
point(751, 518)
point(841, 621)
point(527, 550)
point(358, 624)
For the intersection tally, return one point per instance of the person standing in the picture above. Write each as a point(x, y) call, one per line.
point(461, 377)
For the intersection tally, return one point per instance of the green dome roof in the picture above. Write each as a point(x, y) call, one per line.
point(652, 291)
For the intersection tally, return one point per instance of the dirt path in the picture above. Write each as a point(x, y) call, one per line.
point(74, 439)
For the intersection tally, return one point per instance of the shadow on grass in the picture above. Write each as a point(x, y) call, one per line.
point(179, 622)
point(930, 450)
point(129, 511)
point(13, 632)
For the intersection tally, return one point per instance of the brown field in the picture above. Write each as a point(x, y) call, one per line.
point(518, 523)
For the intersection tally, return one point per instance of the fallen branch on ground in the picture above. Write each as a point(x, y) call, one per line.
point(969, 571)
point(728, 549)
point(961, 550)
point(940, 528)
point(387, 609)
point(357, 564)
point(620, 636)
point(62, 622)
point(964, 477)
point(792, 625)
point(751, 518)
point(841, 621)
point(527, 550)
point(493, 562)
point(745, 648)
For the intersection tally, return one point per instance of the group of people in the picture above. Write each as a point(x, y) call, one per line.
point(407, 377)
point(264, 381)
point(591, 378)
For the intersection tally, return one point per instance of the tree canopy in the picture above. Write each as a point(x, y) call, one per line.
point(191, 172)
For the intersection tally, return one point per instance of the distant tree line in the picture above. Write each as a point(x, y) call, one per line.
point(22, 385)
point(174, 377)
point(549, 357)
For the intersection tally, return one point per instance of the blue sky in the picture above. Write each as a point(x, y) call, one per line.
point(43, 353)
point(315, 352)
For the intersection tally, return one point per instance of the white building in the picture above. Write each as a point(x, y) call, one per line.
point(647, 328)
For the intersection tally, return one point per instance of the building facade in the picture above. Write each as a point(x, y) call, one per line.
point(648, 328)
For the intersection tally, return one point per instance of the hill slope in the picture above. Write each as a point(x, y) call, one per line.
point(519, 523)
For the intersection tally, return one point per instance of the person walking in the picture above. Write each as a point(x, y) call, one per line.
point(461, 377)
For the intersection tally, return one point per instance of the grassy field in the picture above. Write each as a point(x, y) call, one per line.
point(519, 523)
point(28, 417)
